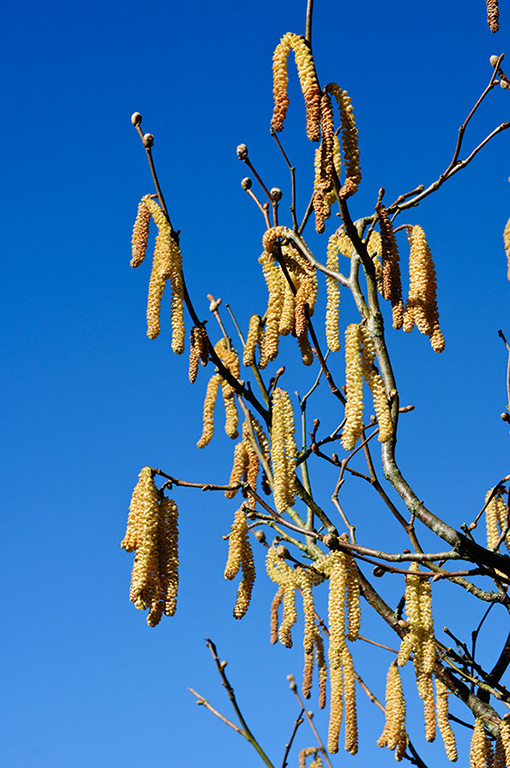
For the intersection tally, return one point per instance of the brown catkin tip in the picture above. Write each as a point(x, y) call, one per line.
point(493, 15)
point(140, 235)
point(506, 240)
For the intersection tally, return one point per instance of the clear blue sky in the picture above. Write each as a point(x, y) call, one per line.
point(88, 399)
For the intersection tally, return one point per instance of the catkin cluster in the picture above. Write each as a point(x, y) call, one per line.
point(391, 279)
point(198, 350)
point(292, 287)
point(152, 533)
point(283, 450)
point(343, 608)
point(421, 305)
point(506, 241)
point(240, 556)
point(289, 580)
point(328, 164)
point(394, 735)
point(420, 642)
point(359, 366)
point(307, 79)
point(350, 146)
point(246, 461)
point(166, 265)
point(496, 519)
point(229, 358)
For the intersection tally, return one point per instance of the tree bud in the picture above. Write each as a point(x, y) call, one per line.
point(242, 151)
point(136, 118)
point(494, 60)
point(148, 140)
point(246, 183)
point(276, 194)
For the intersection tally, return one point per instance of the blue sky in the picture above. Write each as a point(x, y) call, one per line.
point(88, 399)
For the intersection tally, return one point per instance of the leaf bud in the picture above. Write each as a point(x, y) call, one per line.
point(246, 183)
point(494, 60)
point(242, 151)
point(276, 194)
point(282, 552)
point(136, 118)
point(260, 536)
point(148, 140)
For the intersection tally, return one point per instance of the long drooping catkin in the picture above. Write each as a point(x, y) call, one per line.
point(391, 280)
point(395, 723)
point(376, 385)
point(421, 305)
point(140, 235)
point(443, 721)
point(167, 265)
point(283, 450)
point(336, 617)
point(152, 532)
point(229, 357)
point(209, 403)
point(240, 556)
point(480, 749)
point(353, 386)
point(251, 340)
point(349, 141)
point(308, 81)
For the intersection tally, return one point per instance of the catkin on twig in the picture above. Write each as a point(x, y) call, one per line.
point(308, 81)
point(240, 556)
point(480, 752)
point(349, 141)
point(443, 722)
point(391, 279)
point(140, 235)
point(395, 712)
point(152, 533)
point(493, 14)
point(421, 305)
point(283, 450)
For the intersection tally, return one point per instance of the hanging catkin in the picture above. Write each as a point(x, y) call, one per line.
point(308, 81)
point(283, 450)
point(506, 240)
point(350, 146)
point(140, 234)
point(240, 556)
point(394, 732)
point(391, 279)
point(421, 305)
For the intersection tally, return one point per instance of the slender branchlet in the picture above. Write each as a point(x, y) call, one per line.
point(240, 556)
point(308, 81)
point(421, 304)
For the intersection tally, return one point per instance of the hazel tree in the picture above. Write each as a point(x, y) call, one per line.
point(309, 543)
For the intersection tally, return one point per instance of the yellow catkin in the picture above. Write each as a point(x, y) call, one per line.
point(304, 753)
point(412, 604)
point(493, 14)
point(209, 403)
point(240, 555)
point(239, 468)
point(443, 721)
point(354, 387)
point(270, 342)
point(283, 575)
point(352, 598)
point(198, 352)
point(251, 341)
point(283, 450)
point(504, 735)
point(491, 521)
point(376, 385)
point(131, 538)
point(140, 234)
point(350, 716)
point(317, 761)
point(374, 249)
point(333, 303)
point(421, 305)
point(336, 619)
point(231, 361)
point(324, 165)
point(429, 711)
point(391, 279)
point(167, 264)
point(395, 711)
point(277, 599)
point(480, 750)
point(499, 760)
point(306, 687)
point(146, 567)
point(307, 79)
point(349, 141)
point(506, 240)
